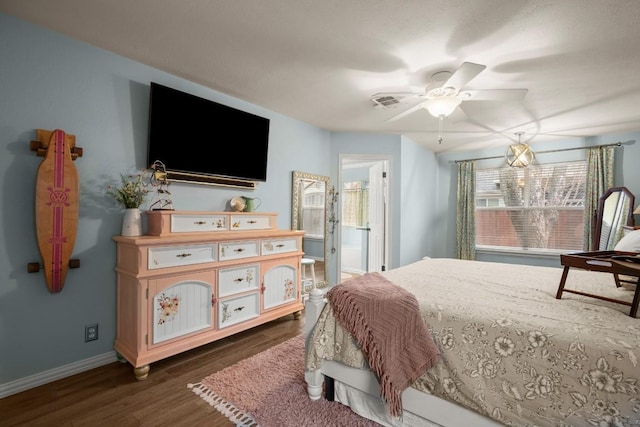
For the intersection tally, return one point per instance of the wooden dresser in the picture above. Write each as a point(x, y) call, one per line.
point(197, 277)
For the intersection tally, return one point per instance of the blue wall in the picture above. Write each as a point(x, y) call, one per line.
point(417, 203)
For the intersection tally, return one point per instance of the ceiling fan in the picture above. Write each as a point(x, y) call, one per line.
point(446, 92)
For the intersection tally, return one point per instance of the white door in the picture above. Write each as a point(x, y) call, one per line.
point(376, 217)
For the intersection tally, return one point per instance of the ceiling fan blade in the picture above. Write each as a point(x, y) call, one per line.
point(458, 115)
point(406, 112)
point(496, 94)
point(397, 94)
point(464, 74)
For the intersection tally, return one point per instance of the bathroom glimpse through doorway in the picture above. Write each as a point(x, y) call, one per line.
point(364, 214)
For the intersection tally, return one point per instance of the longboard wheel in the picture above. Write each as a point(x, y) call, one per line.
point(74, 263)
point(35, 145)
point(33, 267)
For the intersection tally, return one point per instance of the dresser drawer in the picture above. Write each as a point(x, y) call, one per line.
point(238, 250)
point(236, 310)
point(173, 256)
point(249, 222)
point(189, 223)
point(237, 279)
point(278, 246)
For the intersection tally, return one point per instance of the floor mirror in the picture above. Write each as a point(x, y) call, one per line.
point(310, 212)
point(615, 210)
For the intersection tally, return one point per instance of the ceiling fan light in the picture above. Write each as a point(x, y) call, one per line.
point(442, 106)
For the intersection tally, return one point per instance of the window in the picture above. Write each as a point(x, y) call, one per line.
point(355, 203)
point(538, 208)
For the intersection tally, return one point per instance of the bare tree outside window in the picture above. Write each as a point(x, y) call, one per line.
point(535, 208)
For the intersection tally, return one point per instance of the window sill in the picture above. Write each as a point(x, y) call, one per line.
point(523, 252)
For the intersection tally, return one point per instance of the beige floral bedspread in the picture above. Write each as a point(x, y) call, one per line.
point(510, 349)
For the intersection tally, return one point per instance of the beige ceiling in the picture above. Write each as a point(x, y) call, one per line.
point(321, 61)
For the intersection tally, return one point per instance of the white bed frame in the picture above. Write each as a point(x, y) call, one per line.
point(431, 409)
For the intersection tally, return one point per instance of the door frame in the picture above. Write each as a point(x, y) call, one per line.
point(363, 160)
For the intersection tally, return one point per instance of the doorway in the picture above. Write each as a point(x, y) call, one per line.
point(365, 218)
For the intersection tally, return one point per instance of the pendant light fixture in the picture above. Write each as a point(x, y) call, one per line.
point(520, 155)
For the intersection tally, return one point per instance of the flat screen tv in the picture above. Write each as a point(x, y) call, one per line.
point(193, 137)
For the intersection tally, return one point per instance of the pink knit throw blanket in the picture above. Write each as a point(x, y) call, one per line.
point(386, 322)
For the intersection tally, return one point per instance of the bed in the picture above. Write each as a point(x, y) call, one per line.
point(511, 353)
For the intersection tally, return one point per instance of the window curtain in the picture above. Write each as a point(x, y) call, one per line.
point(355, 203)
point(599, 179)
point(465, 216)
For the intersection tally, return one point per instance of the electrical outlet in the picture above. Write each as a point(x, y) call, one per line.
point(91, 332)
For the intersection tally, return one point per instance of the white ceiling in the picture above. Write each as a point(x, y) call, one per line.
point(321, 61)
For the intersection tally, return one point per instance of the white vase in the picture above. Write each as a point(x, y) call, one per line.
point(132, 222)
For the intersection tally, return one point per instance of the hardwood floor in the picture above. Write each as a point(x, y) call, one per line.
point(111, 396)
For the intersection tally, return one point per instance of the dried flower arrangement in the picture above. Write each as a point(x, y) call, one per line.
point(132, 191)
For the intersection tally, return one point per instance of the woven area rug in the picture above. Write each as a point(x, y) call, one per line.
point(269, 390)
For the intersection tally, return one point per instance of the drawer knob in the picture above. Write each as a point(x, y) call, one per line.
point(251, 222)
point(239, 250)
point(239, 279)
point(214, 300)
point(280, 245)
point(239, 308)
point(183, 255)
point(199, 222)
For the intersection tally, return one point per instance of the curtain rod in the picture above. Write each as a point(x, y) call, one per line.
point(615, 144)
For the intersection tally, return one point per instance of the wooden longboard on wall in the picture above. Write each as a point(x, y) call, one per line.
point(56, 205)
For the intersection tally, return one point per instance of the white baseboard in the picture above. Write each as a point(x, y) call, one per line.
point(55, 374)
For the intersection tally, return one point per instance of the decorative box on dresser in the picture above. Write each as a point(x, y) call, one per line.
point(197, 277)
